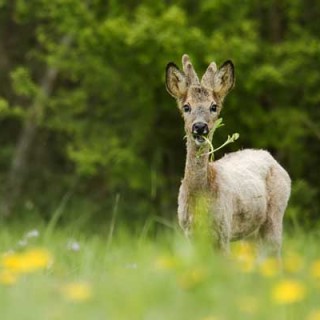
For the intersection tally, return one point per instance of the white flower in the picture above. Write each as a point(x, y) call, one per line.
point(73, 245)
point(131, 266)
point(22, 243)
point(32, 234)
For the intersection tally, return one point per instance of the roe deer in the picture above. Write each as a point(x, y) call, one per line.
point(246, 191)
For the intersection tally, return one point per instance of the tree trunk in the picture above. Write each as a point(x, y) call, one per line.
point(276, 22)
point(19, 165)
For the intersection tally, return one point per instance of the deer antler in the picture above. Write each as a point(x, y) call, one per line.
point(189, 71)
point(208, 77)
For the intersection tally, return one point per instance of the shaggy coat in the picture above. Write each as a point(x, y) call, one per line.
point(245, 192)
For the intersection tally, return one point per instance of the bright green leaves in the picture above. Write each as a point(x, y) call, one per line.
point(22, 83)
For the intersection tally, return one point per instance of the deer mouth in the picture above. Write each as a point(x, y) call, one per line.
point(199, 139)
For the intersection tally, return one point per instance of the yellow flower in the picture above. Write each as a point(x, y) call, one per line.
point(244, 253)
point(77, 291)
point(36, 259)
point(243, 249)
point(29, 261)
point(269, 267)
point(288, 291)
point(315, 269)
point(192, 278)
point(293, 263)
point(7, 277)
point(166, 263)
point(314, 315)
point(11, 261)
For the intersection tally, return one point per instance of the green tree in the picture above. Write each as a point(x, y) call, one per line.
point(84, 111)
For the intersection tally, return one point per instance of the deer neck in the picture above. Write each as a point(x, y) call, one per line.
point(196, 169)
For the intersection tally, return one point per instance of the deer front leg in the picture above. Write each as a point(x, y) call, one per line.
point(184, 215)
point(221, 236)
point(223, 244)
point(185, 221)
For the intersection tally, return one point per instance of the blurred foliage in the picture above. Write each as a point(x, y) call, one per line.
point(108, 127)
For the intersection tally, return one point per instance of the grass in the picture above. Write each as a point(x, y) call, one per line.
point(83, 276)
point(231, 138)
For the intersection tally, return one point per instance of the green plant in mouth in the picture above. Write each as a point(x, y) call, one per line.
point(231, 138)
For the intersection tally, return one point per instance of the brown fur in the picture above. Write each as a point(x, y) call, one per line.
point(246, 191)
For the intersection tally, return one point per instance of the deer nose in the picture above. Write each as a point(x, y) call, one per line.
point(200, 128)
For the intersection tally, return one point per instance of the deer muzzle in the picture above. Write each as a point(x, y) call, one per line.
point(199, 131)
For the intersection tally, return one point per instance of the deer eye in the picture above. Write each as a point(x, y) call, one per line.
point(213, 108)
point(186, 108)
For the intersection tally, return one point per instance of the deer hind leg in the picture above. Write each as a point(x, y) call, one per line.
point(270, 232)
point(270, 236)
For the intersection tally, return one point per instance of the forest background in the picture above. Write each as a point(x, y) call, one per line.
point(88, 131)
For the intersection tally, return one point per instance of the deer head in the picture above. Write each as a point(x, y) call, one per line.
point(199, 102)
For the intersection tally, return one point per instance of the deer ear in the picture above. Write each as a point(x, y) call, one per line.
point(176, 81)
point(224, 79)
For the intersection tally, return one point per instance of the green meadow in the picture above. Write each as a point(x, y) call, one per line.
point(72, 274)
